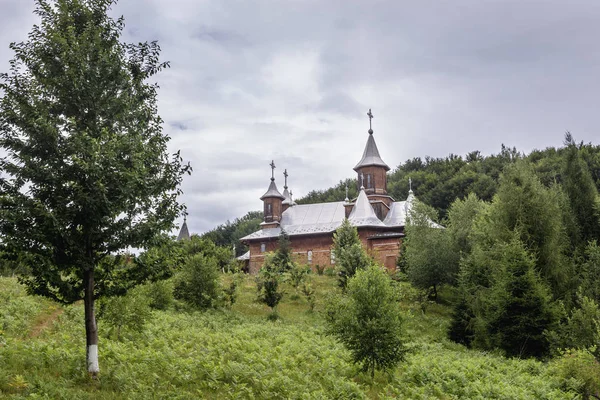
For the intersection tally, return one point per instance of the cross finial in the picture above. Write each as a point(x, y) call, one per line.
point(362, 180)
point(272, 170)
point(370, 115)
point(285, 174)
point(409, 184)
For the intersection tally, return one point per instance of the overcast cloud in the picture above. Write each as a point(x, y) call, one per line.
point(252, 81)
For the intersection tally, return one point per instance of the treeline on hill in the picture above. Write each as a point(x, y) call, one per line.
point(436, 182)
point(525, 265)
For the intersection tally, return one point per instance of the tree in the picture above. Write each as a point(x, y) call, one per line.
point(87, 172)
point(521, 305)
point(430, 257)
point(368, 320)
point(349, 253)
point(283, 255)
point(582, 193)
point(268, 282)
point(198, 282)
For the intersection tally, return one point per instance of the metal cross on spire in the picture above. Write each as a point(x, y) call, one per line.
point(272, 170)
point(285, 174)
point(370, 115)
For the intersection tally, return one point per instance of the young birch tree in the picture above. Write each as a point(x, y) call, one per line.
point(86, 172)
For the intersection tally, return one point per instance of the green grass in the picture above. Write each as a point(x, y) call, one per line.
point(238, 354)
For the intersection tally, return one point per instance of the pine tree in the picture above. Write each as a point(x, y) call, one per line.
point(349, 253)
point(368, 320)
point(582, 193)
point(521, 305)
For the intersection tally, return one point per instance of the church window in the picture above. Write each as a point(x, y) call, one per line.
point(369, 185)
point(332, 256)
point(263, 247)
point(269, 209)
point(310, 254)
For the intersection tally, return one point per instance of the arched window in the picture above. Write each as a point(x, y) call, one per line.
point(369, 184)
point(309, 254)
point(263, 247)
point(332, 256)
point(269, 209)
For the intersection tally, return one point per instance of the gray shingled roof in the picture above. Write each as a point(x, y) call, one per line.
point(307, 219)
point(286, 195)
point(362, 213)
point(371, 156)
point(272, 192)
point(183, 233)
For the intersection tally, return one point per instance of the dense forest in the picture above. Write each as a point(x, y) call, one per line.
point(436, 182)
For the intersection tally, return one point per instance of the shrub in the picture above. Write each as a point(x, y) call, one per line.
point(231, 292)
point(198, 282)
point(160, 294)
point(309, 293)
point(579, 371)
point(268, 281)
point(320, 269)
point(297, 274)
point(127, 313)
point(368, 321)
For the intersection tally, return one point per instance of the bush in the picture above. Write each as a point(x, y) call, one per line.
point(320, 269)
point(297, 274)
point(231, 292)
point(268, 281)
point(368, 321)
point(127, 313)
point(198, 282)
point(579, 371)
point(160, 294)
point(309, 293)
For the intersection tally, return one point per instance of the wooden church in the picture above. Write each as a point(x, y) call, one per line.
point(378, 217)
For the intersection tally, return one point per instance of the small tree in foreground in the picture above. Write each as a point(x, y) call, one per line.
point(368, 321)
point(268, 285)
point(198, 282)
point(349, 254)
point(85, 171)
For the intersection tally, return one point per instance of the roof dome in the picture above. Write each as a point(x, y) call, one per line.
point(371, 155)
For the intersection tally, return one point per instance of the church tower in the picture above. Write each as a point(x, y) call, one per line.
point(372, 175)
point(272, 203)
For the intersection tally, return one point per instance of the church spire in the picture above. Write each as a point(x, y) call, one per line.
point(371, 155)
point(184, 233)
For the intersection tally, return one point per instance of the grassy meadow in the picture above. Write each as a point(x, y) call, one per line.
point(239, 354)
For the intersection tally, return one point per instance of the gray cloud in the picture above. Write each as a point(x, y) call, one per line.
point(292, 81)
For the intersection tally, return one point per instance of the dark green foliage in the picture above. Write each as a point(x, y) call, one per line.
point(198, 282)
point(229, 233)
point(349, 253)
point(431, 259)
point(582, 193)
point(461, 328)
point(231, 292)
point(206, 247)
point(368, 321)
point(282, 260)
point(268, 283)
point(590, 272)
point(580, 329)
point(520, 305)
